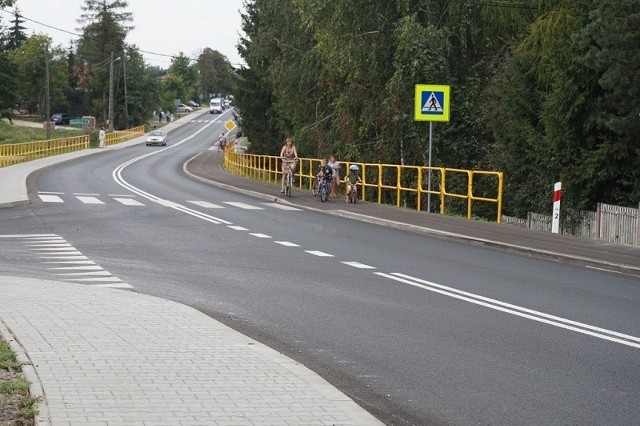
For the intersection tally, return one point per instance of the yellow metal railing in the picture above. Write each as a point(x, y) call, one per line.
point(28, 151)
point(386, 183)
point(120, 136)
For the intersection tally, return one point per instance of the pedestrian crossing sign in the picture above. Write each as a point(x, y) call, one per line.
point(431, 102)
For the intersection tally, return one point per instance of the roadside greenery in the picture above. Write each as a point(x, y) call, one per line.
point(79, 75)
point(543, 90)
point(17, 407)
point(10, 134)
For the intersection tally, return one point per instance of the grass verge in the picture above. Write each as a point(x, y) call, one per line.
point(17, 407)
point(10, 134)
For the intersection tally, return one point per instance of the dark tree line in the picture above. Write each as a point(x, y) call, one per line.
point(79, 75)
point(543, 90)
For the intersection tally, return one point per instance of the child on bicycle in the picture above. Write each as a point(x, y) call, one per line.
point(352, 179)
point(325, 174)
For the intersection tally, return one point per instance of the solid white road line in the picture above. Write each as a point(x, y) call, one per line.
point(497, 305)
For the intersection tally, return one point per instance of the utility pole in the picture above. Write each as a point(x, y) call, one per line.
point(126, 103)
point(47, 99)
point(110, 113)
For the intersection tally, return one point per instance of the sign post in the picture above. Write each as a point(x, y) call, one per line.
point(432, 103)
point(557, 196)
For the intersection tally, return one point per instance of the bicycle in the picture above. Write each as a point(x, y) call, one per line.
point(288, 182)
point(324, 190)
point(352, 196)
point(315, 189)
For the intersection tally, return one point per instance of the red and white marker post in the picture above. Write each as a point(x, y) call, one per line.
point(557, 196)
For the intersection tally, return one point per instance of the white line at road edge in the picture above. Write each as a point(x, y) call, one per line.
point(117, 176)
point(598, 332)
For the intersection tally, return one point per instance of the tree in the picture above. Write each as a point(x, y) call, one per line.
point(180, 69)
point(8, 85)
point(16, 35)
point(106, 24)
point(216, 73)
point(29, 62)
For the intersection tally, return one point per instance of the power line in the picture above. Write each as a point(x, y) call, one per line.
point(83, 36)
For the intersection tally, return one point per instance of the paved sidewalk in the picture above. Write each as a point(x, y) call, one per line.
point(105, 356)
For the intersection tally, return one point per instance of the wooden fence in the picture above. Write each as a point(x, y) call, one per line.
point(609, 223)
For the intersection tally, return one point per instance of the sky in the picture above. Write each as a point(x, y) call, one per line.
point(161, 26)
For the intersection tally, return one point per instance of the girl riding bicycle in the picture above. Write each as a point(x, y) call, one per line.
point(289, 156)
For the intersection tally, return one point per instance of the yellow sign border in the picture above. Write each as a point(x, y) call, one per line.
point(417, 110)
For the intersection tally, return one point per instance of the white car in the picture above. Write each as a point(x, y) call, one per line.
point(183, 108)
point(157, 137)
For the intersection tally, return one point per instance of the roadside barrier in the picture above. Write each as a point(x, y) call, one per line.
point(120, 136)
point(453, 191)
point(28, 151)
point(22, 152)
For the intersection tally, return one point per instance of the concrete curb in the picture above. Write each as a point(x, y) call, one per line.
point(29, 372)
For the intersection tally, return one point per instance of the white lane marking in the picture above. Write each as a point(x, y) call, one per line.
point(71, 262)
point(50, 192)
point(78, 268)
point(32, 245)
point(69, 257)
point(237, 228)
point(62, 253)
point(50, 198)
point(52, 249)
point(287, 244)
point(258, 235)
point(128, 201)
point(85, 274)
point(319, 253)
point(206, 204)
point(89, 200)
point(88, 195)
point(242, 205)
point(516, 310)
point(120, 195)
point(359, 265)
point(282, 207)
point(98, 279)
point(123, 286)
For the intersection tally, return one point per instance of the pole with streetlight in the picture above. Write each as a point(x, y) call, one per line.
point(110, 113)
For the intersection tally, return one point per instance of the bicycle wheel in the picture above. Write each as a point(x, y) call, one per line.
point(324, 193)
point(288, 188)
point(314, 189)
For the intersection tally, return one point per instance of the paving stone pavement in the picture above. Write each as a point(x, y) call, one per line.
point(103, 356)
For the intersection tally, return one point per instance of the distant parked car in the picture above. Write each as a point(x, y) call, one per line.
point(183, 108)
point(60, 118)
point(157, 137)
point(193, 104)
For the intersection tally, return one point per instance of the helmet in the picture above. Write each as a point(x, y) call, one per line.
point(354, 167)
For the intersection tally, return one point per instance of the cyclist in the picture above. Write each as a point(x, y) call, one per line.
point(289, 155)
point(325, 174)
point(352, 179)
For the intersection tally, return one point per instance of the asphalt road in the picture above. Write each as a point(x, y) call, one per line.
point(417, 330)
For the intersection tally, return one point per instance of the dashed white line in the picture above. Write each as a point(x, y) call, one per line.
point(206, 204)
point(359, 265)
point(287, 244)
point(50, 198)
point(319, 253)
point(258, 235)
point(89, 200)
point(282, 207)
point(238, 228)
point(128, 201)
point(242, 205)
